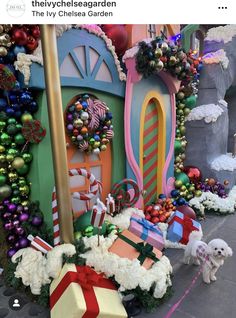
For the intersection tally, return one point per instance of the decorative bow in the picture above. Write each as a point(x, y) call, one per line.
point(97, 111)
point(33, 131)
point(147, 226)
point(87, 278)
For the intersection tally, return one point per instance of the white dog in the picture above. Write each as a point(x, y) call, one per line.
point(211, 255)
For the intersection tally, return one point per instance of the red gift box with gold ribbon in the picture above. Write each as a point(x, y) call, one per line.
point(81, 292)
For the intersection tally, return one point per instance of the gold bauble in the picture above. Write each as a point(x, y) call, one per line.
point(3, 51)
point(18, 162)
point(13, 176)
point(2, 149)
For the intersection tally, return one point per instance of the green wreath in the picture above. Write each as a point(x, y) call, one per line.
point(89, 124)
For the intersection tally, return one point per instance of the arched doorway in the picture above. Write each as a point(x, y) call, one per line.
point(98, 164)
point(152, 146)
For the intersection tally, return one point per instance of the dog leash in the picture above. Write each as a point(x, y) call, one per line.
point(187, 291)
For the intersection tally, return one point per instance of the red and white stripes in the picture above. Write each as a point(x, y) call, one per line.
point(39, 244)
point(95, 186)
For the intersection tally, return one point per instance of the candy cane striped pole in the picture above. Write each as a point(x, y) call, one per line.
point(39, 244)
point(95, 186)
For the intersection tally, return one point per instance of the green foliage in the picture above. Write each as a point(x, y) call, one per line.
point(77, 259)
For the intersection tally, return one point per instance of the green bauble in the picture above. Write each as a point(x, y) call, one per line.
point(191, 101)
point(3, 180)
point(11, 121)
point(187, 111)
point(5, 139)
point(9, 158)
point(178, 184)
point(19, 139)
point(12, 151)
point(23, 170)
point(16, 200)
point(5, 191)
point(24, 190)
point(3, 171)
point(18, 163)
point(178, 147)
point(78, 235)
point(2, 158)
point(182, 177)
point(12, 176)
point(15, 193)
point(26, 117)
point(14, 186)
point(2, 125)
point(22, 181)
point(83, 222)
point(12, 129)
point(18, 127)
point(27, 157)
point(2, 149)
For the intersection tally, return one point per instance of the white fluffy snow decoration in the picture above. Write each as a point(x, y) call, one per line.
point(24, 61)
point(224, 162)
point(218, 57)
point(129, 274)
point(221, 33)
point(130, 53)
point(209, 113)
point(211, 201)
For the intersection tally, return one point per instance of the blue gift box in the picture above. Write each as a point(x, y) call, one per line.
point(180, 226)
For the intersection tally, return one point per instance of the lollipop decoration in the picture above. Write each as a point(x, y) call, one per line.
point(122, 196)
point(110, 203)
point(89, 124)
point(93, 190)
point(98, 215)
point(33, 132)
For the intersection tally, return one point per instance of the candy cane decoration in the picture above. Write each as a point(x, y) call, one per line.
point(94, 187)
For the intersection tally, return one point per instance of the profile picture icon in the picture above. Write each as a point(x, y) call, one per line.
point(15, 8)
point(16, 303)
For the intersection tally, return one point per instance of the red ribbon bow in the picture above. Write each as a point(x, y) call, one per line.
point(188, 227)
point(87, 278)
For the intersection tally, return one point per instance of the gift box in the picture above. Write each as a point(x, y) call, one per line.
point(147, 231)
point(180, 227)
point(82, 293)
point(130, 246)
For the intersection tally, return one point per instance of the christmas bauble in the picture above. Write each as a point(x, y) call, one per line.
point(119, 37)
point(5, 191)
point(37, 221)
point(19, 36)
point(5, 139)
point(18, 163)
point(188, 211)
point(19, 139)
point(3, 180)
point(23, 170)
point(193, 173)
point(27, 157)
point(191, 101)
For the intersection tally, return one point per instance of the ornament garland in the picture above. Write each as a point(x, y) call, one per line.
point(162, 55)
point(89, 124)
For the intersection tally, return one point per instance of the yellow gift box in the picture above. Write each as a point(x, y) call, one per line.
point(79, 292)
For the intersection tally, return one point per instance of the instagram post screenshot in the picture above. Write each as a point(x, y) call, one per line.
point(117, 159)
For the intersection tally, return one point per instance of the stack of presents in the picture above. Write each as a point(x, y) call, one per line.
point(89, 294)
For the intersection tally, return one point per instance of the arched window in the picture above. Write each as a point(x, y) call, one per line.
point(197, 39)
point(152, 31)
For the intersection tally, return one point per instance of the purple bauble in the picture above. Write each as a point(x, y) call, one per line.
point(23, 242)
point(16, 223)
point(37, 221)
point(19, 208)
point(70, 127)
point(7, 216)
point(11, 207)
point(8, 226)
point(23, 217)
point(69, 117)
point(6, 202)
point(11, 252)
point(11, 238)
point(26, 209)
point(80, 138)
point(17, 245)
point(19, 231)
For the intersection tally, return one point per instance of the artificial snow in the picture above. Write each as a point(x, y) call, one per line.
point(209, 113)
point(221, 33)
point(130, 53)
point(224, 162)
point(218, 57)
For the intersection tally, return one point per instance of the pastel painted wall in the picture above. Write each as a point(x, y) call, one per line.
point(41, 172)
point(138, 32)
point(140, 90)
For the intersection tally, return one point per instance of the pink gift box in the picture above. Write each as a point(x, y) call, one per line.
point(147, 231)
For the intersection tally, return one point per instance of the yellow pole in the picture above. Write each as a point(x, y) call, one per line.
point(56, 121)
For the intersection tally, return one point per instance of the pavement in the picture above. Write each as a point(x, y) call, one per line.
point(216, 300)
